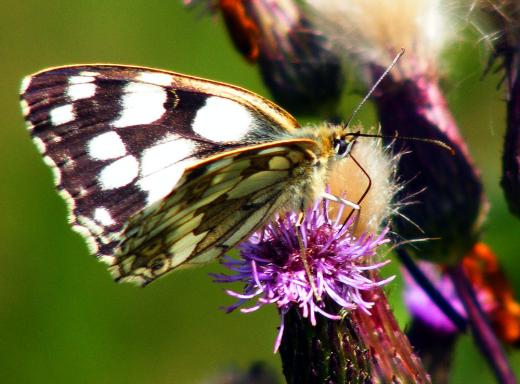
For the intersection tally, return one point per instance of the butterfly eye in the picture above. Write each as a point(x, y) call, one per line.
point(341, 147)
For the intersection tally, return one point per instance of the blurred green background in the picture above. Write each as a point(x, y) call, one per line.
point(62, 318)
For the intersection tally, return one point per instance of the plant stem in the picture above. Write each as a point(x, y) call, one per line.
point(479, 325)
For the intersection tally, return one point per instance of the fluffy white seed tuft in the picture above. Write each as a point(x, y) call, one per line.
point(376, 30)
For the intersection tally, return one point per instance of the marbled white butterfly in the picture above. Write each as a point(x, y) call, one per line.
point(162, 170)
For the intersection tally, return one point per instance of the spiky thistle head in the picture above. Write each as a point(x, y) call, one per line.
point(273, 271)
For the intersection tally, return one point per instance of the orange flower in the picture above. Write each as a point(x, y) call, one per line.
point(486, 275)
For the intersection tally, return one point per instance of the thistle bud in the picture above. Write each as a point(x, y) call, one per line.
point(296, 61)
point(442, 198)
point(504, 16)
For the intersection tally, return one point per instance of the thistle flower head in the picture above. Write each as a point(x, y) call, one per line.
point(272, 269)
point(442, 193)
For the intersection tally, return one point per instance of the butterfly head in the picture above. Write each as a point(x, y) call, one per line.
point(336, 142)
point(344, 142)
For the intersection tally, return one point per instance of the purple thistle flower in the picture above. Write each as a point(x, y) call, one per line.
point(273, 272)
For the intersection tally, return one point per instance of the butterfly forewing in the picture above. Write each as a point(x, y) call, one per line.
point(119, 140)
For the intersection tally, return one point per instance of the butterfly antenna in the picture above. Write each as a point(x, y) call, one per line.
point(439, 143)
point(374, 87)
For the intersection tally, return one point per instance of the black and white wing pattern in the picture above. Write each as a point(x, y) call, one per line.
point(120, 138)
point(216, 204)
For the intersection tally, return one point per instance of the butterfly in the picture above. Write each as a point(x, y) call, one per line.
point(162, 171)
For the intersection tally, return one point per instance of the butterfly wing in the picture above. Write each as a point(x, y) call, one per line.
point(215, 205)
point(118, 138)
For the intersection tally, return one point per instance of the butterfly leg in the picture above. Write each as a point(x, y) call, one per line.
point(339, 200)
point(355, 208)
point(356, 220)
point(305, 261)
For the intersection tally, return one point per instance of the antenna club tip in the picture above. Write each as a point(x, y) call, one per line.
point(446, 146)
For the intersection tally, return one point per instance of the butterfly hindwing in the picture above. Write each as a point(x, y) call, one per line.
point(119, 138)
point(215, 205)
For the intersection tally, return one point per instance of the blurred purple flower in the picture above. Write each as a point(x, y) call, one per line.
point(273, 272)
point(493, 291)
point(423, 309)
